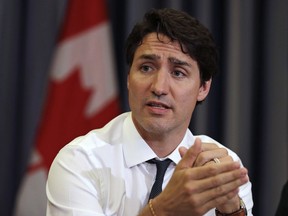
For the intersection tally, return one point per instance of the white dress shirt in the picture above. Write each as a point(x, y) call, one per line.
point(105, 173)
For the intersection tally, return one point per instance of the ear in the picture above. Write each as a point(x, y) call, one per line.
point(204, 90)
point(128, 81)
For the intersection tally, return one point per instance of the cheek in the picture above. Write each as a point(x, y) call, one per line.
point(137, 84)
point(136, 90)
point(188, 104)
point(188, 99)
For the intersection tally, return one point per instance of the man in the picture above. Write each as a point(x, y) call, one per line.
point(172, 59)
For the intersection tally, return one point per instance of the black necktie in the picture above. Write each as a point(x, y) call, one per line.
point(161, 169)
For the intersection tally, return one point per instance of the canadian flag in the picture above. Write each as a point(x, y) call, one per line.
point(82, 95)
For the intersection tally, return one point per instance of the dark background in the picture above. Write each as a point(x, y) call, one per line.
point(247, 109)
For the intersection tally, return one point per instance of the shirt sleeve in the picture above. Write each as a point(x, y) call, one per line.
point(72, 187)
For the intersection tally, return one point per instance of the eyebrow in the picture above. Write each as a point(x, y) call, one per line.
point(172, 60)
point(149, 56)
point(179, 62)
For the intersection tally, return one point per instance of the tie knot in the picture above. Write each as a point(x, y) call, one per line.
point(159, 163)
point(161, 166)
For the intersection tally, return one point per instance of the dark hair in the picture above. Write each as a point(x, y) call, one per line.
point(194, 38)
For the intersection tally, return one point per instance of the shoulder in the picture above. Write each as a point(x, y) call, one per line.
point(95, 144)
point(107, 135)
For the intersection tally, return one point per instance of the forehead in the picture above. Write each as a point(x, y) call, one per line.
point(162, 46)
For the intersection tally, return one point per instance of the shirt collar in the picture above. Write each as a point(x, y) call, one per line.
point(137, 151)
point(187, 142)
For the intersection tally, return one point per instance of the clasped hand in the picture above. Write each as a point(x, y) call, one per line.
point(198, 184)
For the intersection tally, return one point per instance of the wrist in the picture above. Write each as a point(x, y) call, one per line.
point(158, 207)
point(229, 207)
point(241, 211)
point(151, 208)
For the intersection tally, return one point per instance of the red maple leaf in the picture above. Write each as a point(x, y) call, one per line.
point(64, 118)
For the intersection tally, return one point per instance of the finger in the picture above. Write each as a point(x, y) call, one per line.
point(208, 155)
point(218, 200)
point(220, 185)
point(190, 155)
point(221, 159)
point(182, 151)
point(217, 190)
point(213, 170)
point(223, 190)
point(238, 176)
point(206, 146)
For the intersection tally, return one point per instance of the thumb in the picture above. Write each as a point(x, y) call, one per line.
point(189, 156)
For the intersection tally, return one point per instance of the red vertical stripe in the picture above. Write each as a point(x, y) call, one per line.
point(82, 15)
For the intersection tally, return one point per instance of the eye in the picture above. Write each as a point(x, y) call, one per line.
point(145, 68)
point(178, 74)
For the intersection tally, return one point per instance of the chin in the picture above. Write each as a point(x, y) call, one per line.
point(156, 127)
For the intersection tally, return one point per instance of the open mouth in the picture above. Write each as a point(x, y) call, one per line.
point(158, 105)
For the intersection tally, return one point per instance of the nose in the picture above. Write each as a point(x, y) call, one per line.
point(160, 84)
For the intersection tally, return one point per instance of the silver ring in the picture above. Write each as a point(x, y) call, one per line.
point(216, 160)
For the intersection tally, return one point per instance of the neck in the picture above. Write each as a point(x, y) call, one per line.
point(163, 145)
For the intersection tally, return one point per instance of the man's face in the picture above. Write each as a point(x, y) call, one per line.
point(164, 86)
